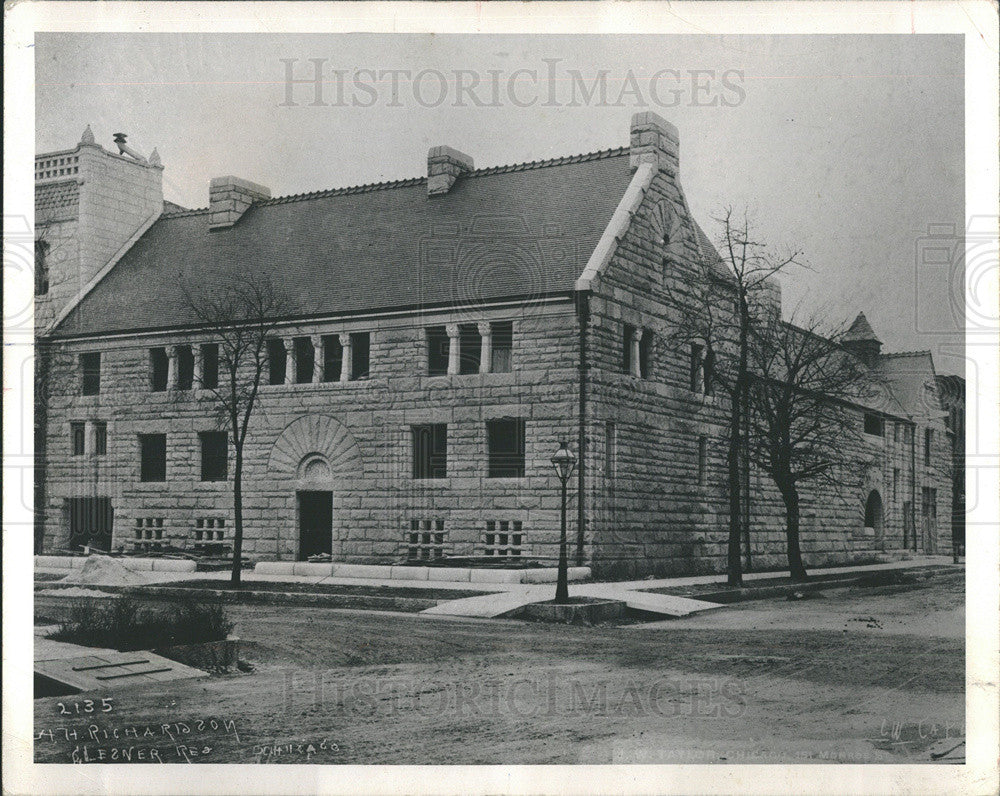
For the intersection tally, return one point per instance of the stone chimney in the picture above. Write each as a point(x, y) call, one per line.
point(229, 198)
point(444, 166)
point(654, 140)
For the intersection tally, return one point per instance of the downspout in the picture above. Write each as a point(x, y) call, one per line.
point(913, 486)
point(582, 301)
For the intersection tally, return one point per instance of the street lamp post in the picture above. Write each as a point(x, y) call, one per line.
point(563, 460)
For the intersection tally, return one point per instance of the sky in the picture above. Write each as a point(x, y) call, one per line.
point(847, 148)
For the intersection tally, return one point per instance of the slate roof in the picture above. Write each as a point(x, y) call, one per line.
point(503, 232)
point(860, 330)
point(912, 380)
point(52, 197)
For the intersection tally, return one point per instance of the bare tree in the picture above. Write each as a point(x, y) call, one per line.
point(717, 308)
point(241, 316)
point(804, 411)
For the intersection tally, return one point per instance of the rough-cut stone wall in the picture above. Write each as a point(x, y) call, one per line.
point(374, 501)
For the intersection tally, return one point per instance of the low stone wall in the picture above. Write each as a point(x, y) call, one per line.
point(386, 572)
point(134, 564)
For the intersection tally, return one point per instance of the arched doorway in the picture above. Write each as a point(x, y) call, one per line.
point(873, 512)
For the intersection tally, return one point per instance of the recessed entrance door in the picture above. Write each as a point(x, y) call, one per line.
point(315, 523)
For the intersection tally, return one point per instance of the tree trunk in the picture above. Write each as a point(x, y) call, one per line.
point(238, 518)
point(790, 495)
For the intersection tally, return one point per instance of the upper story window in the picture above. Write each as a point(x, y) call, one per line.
point(185, 367)
point(627, 353)
point(214, 455)
point(78, 436)
point(928, 445)
point(470, 348)
point(637, 346)
point(502, 337)
point(505, 446)
point(152, 457)
point(276, 362)
point(696, 368)
point(210, 366)
point(90, 373)
point(430, 450)
point(41, 268)
point(438, 347)
point(305, 358)
point(360, 355)
point(333, 357)
point(100, 438)
point(158, 369)
point(874, 424)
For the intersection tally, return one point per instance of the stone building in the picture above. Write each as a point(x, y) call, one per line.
point(447, 333)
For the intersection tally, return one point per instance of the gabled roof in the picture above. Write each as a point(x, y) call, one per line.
point(912, 380)
point(860, 331)
point(503, 232)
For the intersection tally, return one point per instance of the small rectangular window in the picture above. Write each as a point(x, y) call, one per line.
point(628, 337)
point(360, 355)
point(185, 367)
point(78, 436)
point(430, 450)
point(437, 351)
point(210, 366)
point(158, 367)
point(505, 443)
point(214, 455)
point(928, 445)
point(153, 453)
point(504, 538)
point(645, 352)
point(333, 357)
point(702, 459)
point(276, 362)
point(100, 438)
point(895, 483)
point(610, 450)
point(470, 348)
point(305, 357)
point(502, 337)
point(90, 372)
point(895, 432)
point(695, 371)
point(874, 424)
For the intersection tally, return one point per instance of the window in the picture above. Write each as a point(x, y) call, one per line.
point(333, 357)
point(430, 450)
point(185, 367)
point(895, 432)
point(708, 371)
point(210, 366)
point(153, 453)
point(100, 438)
point(149, 533)
point(304, 359)
point(426, 539)
point(360, 351)
point(503, 538)
point(78, 436)
point(874, 424)
point(695, 368)
point(437, 351)
point(928, 444)
point(470, 348)
point(702, 459)
point(502, 335)
point(895, 484)
point(90, 370)
point(276, 362)
point(208, 535)
point(610, 450)
point(645, 348)
point(90, 521)
point(505, 443)
point(214, 455)
point(627, 339)
point(41, 268)
point(158, 368)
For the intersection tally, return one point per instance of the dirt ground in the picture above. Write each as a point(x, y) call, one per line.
point(865, 675)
